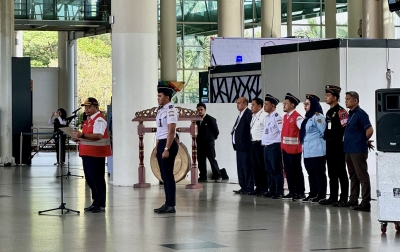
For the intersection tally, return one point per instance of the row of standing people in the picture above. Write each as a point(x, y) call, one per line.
point(265, 143)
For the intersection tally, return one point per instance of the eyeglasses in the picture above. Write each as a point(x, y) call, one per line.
point(306, 103)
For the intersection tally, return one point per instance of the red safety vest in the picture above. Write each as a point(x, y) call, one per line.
point(99, 148)
point(290, 137)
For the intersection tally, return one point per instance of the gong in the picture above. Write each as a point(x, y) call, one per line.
point(181, 166)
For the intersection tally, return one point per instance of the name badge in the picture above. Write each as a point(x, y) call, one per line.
point(329, 125)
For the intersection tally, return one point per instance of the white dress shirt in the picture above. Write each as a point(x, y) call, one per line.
point(62, 121)
point(234, 128)
point(257, 125)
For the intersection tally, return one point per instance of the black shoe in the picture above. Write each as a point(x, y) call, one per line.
point(340, 203)
point(350, 204)
point(298, 197)
point(288, 196)
point(308, 199)
point(89, 208)
point(202, 180)
point(277, 196)
point(362, 207)
point(238, 191)
point(267, 195)
point(252, 193)
point(98, 210)
point(316, 200)
point(326, 202)
point(168, 209)
point(161, 208)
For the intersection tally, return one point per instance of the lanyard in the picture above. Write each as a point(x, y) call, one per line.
point(255, 117)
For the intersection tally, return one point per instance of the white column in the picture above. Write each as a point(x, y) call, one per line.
point(168, 40)
point(289, 19)
point(6, 50)
point(62, 69)
point(372, 19)
point(355, 14)
point(135, 78)
point(271, 18)
point(388, 21)
point(19, 44)
point(330, 18)
point(230, 18)
point(70, 73)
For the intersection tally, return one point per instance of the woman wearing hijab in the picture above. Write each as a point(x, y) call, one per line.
point(314, 148)
point(58, 119)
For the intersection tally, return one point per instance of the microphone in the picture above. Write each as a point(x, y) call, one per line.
point(76, 110)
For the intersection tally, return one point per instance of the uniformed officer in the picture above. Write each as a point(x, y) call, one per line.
point(167, 147)
point(257, 150)
point(291, 148)
point(271, 140)
point(336, 120)
point(314, 148)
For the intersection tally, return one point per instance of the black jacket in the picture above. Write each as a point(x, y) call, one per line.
point(207, 130)
point(242, 132)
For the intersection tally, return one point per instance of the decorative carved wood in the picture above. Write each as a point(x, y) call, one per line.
point(184, 115)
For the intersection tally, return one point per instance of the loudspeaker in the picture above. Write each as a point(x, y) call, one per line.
point(387, 114)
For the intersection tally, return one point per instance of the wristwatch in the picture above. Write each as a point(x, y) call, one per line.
point(166, 148)
point(83, 136)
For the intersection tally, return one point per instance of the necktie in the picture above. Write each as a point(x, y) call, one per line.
point(236, 123)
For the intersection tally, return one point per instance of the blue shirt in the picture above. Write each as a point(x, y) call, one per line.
point(314, 144)
point(355, 139)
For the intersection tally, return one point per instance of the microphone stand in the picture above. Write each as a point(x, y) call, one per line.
point(68, 174)
point(62, 206)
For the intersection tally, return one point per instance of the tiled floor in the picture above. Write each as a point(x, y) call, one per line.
point(210, 219)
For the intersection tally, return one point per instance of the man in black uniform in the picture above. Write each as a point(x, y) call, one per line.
point(207, 134)
point(336, 120)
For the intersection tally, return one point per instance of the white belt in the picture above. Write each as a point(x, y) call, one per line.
point(290, 140)
point(101, 142)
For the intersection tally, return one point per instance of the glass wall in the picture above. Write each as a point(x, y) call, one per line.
point(98, 10)
point(197, 23)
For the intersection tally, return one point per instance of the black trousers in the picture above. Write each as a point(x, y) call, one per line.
point(94, 168)
point(167, 170)
point(273, 167)
point(335, 159)
point(62, 142)
point(244, 170)
point(207, 151)
point(316, 170)
point(259, 173)
point(294, 172)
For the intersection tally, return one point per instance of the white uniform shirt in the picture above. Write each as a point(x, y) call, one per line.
point(165, 115)
point(299, 119)
point(99, 126)
point(272, 129)
point(257, 125)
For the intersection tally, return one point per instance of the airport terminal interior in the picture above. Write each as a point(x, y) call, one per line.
point(212, 218)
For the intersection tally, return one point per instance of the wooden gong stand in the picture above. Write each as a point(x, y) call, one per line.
point(184, 115)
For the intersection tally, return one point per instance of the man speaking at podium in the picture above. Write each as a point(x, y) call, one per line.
point(94, 147)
